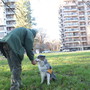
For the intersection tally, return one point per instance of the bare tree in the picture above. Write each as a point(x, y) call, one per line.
point(53, 45)
point(40, 41)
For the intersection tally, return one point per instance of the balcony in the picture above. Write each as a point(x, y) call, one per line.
point(72, 41)
point(88, 9)
point(88, 18)
point(88, 13)
point(11, 6)
point(73, 46)
point(70, 4)
point(84, 35)
point(2, 34)
point(84, 41)
point(10, 0)
point(69, 20)
point(82, 19)
point(71, 25)
point(81, 14)
point(71, 9)
point(81, 8)
point(10, 19)
point(82, 24)
point(83, 30)
point(9, 12)
point(70, 14)
point(80, 4)
point(72, 30)
point(72, 35)
point(10, 25)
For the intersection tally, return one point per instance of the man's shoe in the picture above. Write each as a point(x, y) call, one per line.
point(14, 88)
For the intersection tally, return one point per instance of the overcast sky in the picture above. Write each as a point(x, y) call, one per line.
point(46, 15)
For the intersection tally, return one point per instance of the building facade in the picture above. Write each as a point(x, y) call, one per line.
point(2, 20)
point(7, 19)
point(75, 25)
point(10, 14)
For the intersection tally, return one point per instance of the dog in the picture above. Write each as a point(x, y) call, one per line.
point(45, 69)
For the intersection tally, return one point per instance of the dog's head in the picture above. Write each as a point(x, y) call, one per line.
point(41, 59)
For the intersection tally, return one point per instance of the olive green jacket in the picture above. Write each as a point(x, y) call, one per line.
point(19, 40)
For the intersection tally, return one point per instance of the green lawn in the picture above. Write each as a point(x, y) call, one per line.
point(71, 68)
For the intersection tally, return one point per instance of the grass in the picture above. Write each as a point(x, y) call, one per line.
point(71, 68)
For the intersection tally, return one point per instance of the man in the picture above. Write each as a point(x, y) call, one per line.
point(12, 47)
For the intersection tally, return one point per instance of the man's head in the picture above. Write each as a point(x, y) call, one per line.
point(34, 31)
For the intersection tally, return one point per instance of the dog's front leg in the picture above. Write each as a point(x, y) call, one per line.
point(42, 77)
point(48, 79)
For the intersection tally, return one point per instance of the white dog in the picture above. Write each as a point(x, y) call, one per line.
point(45, 69)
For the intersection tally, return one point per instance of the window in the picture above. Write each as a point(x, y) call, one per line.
point(82, 18)
point(80, 3)
point(81, 13)
point(83, 33)
point(88, 18)
point(82, 23)
point(1, 28)
point(81, 8)
point(73, 7)
point(10, 28)
point(75, 33)
point(88, 8)
point(84, 43)
point(82, 28)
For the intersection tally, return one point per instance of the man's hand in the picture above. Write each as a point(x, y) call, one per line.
point(34, 62)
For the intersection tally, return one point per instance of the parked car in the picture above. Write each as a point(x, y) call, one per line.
point(73, 50)
point(47, 51)
point(66, 50)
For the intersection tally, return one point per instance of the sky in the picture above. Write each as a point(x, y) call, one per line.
point(46, 15)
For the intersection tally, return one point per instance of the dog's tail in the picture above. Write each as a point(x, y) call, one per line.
point(53, 77)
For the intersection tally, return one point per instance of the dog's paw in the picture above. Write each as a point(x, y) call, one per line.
point(41, 82)
point(48, 83)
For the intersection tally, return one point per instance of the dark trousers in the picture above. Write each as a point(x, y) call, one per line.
point(14, 64)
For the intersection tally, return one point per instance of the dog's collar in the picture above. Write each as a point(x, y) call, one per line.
point(49, 71)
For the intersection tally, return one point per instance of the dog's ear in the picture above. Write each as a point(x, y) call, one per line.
point(42, 57)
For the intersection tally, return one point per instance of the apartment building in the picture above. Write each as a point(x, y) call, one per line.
point(75, 25)
point(7, 19)
point(10, 12)
point(2, 21)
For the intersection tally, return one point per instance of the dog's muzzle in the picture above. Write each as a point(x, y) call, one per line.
point(37, 60)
